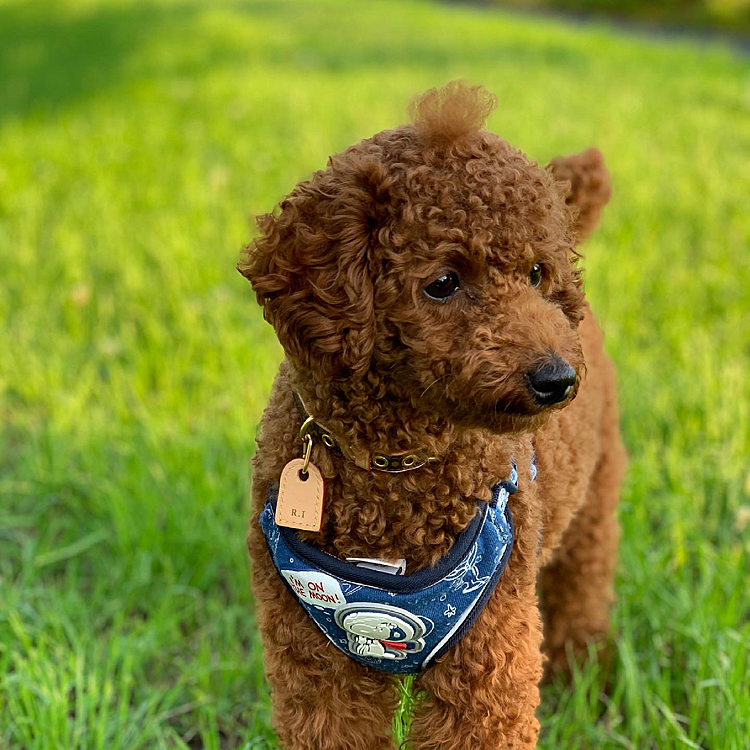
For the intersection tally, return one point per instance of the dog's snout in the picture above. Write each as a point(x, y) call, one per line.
point(550, 380)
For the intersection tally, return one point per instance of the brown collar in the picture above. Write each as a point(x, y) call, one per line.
point(395, 463)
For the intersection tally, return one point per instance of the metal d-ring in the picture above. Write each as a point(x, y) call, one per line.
point(305, 427)
point(308, 441)
point(308, 451)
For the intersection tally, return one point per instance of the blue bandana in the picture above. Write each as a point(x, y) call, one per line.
point(398, 623)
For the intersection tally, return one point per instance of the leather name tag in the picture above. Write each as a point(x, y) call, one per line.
point(300, 502)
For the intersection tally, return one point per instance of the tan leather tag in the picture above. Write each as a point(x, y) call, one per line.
point(300, 503)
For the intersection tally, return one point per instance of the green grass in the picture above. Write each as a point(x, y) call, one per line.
point(136, 141)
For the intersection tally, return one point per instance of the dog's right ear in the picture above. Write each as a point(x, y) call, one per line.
point(310, 267)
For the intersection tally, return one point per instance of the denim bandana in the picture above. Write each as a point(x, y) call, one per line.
point(398, 623)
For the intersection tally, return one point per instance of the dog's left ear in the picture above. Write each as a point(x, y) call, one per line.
point(310, 267)
point(588, 187)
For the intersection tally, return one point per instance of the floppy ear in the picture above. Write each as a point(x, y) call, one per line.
point(310, 266)
point(589, 187)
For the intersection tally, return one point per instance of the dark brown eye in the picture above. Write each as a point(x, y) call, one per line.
point(535, 275)
point(443, 287)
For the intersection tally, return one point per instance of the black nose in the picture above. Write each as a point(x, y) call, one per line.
point(550, 380)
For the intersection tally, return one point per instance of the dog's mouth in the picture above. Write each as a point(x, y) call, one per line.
point(524, 412)
point(541, 404)
point(519, 404)
point(533, 408)
point(517, 413)
point(516, 407)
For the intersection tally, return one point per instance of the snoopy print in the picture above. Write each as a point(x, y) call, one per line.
point(382, 631)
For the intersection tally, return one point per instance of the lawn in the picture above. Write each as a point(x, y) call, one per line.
point(137, 139)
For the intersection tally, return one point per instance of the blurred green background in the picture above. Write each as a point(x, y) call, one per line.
point(704, 16)
point(137, 139)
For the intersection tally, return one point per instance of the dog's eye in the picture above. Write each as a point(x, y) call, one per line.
point(443, 287)
point(535, 275)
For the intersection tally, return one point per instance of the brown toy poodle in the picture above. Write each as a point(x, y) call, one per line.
point(448, 420)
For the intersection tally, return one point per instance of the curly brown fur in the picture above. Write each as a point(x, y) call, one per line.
point(340, 272)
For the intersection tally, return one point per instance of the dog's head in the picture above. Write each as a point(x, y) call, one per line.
point(437, 263)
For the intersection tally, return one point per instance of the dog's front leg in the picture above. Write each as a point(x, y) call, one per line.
point(322, 699)
point(483, 693)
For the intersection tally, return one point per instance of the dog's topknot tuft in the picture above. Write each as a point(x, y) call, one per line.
point(451, 112)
